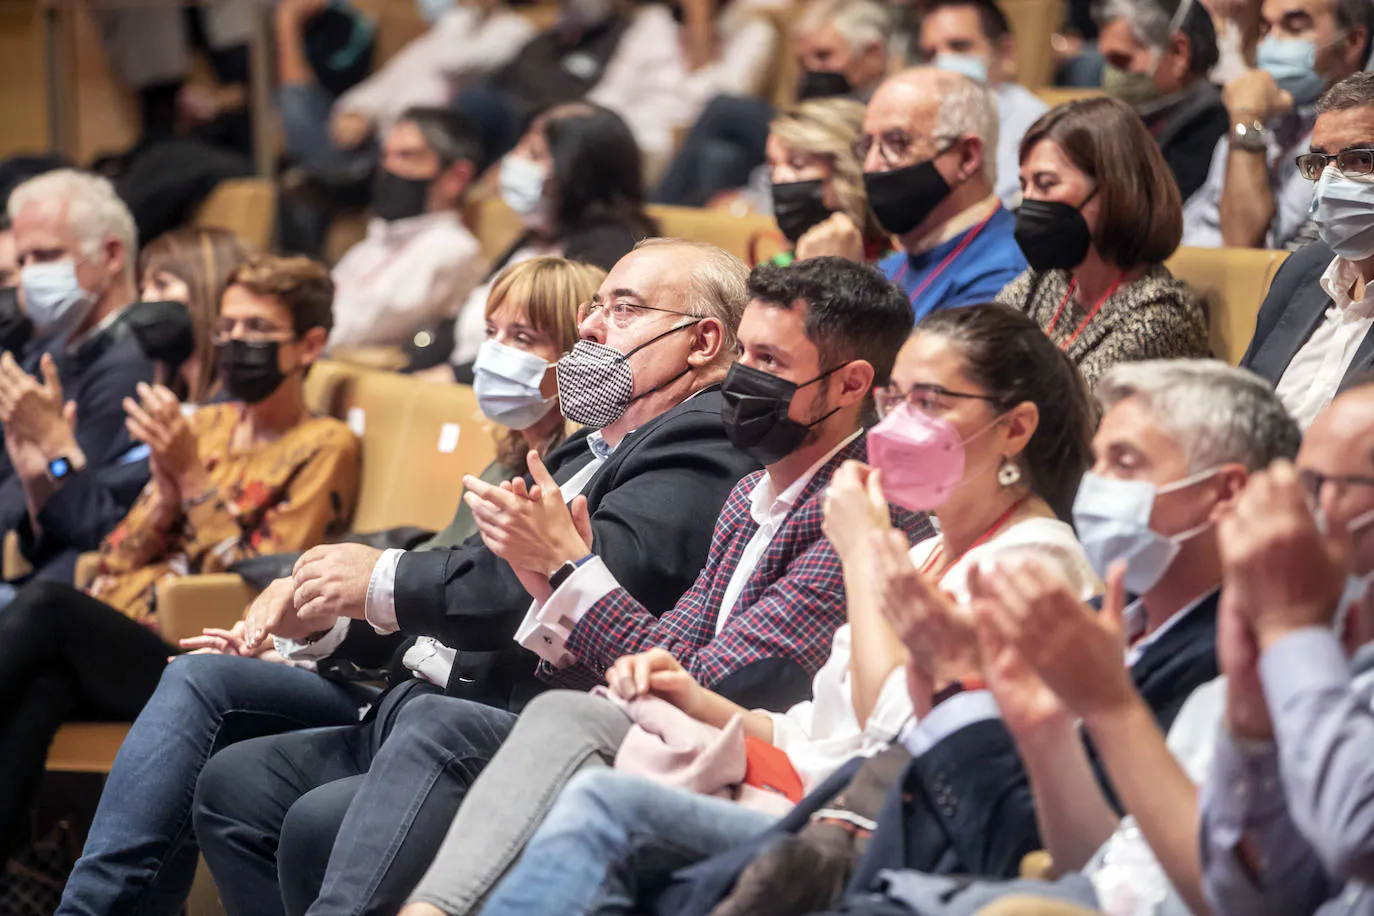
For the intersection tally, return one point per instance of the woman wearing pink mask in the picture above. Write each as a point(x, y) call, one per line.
point(985, 425)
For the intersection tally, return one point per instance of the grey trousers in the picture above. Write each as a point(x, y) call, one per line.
point(558, 734)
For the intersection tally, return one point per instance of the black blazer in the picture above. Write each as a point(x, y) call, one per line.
point(653, 508)
point(98, 376)
point(1291, 312)
point(965, 805)
point(1187, 134)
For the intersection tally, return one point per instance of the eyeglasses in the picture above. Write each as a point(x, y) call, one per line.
point(621, 314)
point(895, 147)
point(1352, 163)
point(1314, 482)
point(249, 329)
point(928, 399)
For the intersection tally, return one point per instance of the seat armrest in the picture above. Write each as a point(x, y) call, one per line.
point(186, 605)
point(13, 564)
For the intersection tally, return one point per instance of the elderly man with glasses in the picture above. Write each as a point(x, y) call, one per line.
point(1312, 333)
point(930, 166)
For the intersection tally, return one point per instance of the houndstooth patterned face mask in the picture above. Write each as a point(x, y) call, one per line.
point(596, 385)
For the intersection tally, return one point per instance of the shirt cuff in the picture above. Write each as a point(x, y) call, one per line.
point(958, 712)
point(380, 606)
point(1303, 662)
point(547, 626)
point(296, 651)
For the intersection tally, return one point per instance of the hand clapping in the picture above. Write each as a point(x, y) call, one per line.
point(158, 421)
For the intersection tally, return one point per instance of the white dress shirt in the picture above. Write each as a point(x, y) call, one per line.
point(1315, 373)
point(645, 79)
point(548, 624)
point(1017, 109)
point(462, 46)
point(428, 658)
point(402, 276)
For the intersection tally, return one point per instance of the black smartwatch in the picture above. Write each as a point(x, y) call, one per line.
point(61, 468)
point(561, 574)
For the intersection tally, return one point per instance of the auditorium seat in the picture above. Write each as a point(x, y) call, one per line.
point(1033, 23)
point(245, 206)
point(1058, 95)
point(1233, 283)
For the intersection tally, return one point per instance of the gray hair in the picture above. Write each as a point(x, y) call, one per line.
point(1217, 413)
point(719, 287)
point(859, 22)
point(1355, 91)
point(94, 211)
point(967, 107)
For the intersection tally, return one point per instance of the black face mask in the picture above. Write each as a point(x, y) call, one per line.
point(1053, 235)
point(15, 327)
point(904, 197)
point(164, 331)
point(250, 369)
point(797, 206)
point(822, 84)
point(394, 197)
point(755, 413)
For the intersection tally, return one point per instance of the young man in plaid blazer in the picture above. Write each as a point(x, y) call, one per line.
point(755, 626)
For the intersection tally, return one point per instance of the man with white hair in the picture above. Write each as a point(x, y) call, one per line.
point(929, 156)
point(66, 477)
point(841, 48)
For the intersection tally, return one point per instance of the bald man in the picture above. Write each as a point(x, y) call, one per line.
point(930, 170)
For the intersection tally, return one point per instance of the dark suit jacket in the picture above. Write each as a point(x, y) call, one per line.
point(653, 507)
point(1187, 133)
point(965, 805)
point(1291, 312)
point(98, 376)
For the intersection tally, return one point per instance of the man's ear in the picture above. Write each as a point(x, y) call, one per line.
point(1355, 38)
point(1006, 62)
point(856, 379)
point(454, 181)
point(708, 344)
point(311, 345)
point(1233, 478)
point(971, 153)
point(116, 256)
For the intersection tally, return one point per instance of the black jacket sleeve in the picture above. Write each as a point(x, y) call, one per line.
point(98, 384)
point(1295, 281)
point(83, 510)
point(653, 509)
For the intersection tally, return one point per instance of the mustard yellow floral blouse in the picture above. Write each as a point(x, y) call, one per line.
point(285, 495)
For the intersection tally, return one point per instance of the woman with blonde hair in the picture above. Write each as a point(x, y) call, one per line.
point(531, 321)
point(817, 183)
point(192, 266)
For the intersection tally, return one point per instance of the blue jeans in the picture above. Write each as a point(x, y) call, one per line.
point(611, 833)
point(140, 856)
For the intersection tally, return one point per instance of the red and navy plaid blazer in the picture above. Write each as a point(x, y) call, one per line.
point(789, 608)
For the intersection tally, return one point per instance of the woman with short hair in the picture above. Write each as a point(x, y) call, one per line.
point(1100, 212)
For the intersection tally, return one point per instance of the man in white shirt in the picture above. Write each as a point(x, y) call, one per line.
point(1312, 332)
point(973, 37)
point(418, 262)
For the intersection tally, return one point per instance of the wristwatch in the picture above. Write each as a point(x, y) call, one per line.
point(561, 574)
point(1250, 136)
point(63, 466)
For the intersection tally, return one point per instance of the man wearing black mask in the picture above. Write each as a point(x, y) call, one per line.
point(928, 149)
point(756, 625)
point(418, 258)
point(841, 48)
point(15, 326)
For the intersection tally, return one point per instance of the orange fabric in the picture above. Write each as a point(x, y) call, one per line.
point(768, 768)
point(285, 495)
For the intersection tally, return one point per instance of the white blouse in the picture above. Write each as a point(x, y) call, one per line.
point(822, 733)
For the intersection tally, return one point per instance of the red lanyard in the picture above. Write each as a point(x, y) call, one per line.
point(958, 250)
point(982, 538)
point(1092, 313)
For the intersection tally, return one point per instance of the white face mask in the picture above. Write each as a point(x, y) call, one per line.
point(1356, 585)
point(970, 65)
point(507, 383)
point(1112, 517)
point(1344, 211)
point(54, 299)
point(522, 188)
